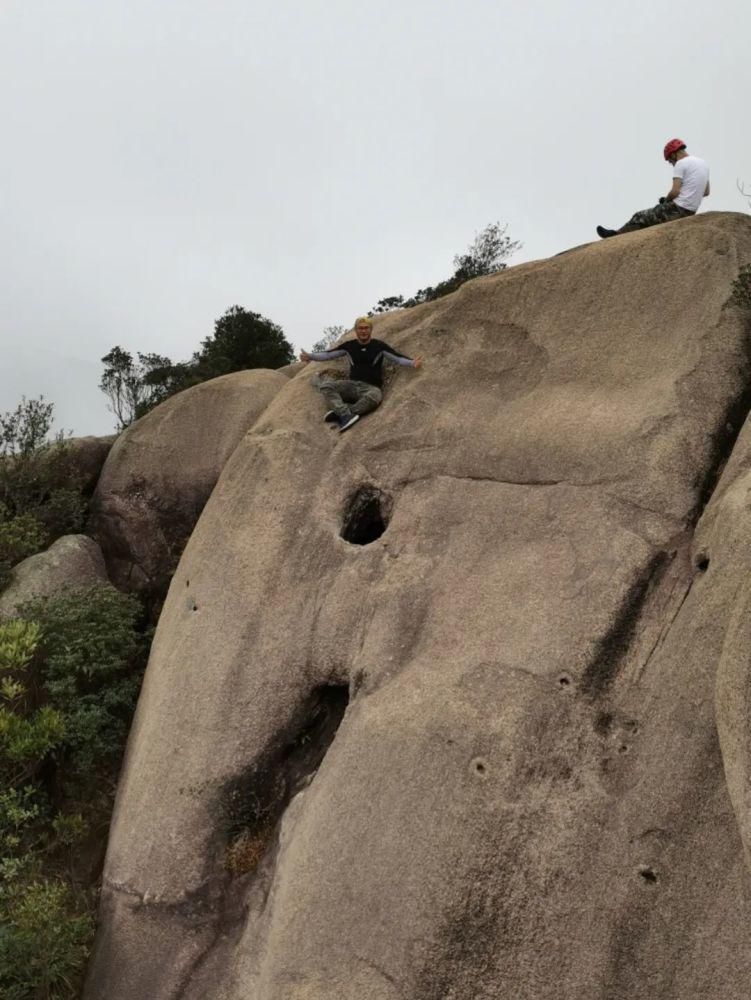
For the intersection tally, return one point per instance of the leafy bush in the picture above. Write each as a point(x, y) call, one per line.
point(70, 668)
point(40, 492)
point(90, 660)
point(27, 732)
point(20, 536)
point(44, 944)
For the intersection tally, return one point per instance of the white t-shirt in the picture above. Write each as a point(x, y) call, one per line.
point(694, 177)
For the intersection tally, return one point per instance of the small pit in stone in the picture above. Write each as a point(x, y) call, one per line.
point(366, 515)
point(648, 874)
point(479, 767)
point(702, 562)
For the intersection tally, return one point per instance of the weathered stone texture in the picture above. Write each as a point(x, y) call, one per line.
point(73, 562)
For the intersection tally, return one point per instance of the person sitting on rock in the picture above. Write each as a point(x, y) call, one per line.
point(690, 185)
point(351, 398)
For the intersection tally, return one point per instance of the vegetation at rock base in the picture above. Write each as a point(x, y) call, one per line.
point(241, 340)
point(487, 254)
point(70, 668)
point(40, 489)
point(741, 288)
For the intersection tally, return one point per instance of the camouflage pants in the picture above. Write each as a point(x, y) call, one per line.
point(666, 211)
point(345, 397)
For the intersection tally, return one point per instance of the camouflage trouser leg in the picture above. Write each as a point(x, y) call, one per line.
point(345, 397)
point(666, 211)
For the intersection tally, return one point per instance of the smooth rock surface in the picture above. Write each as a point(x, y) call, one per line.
point(162, 469)
point(291, 370)
point(73, 562)
point(525, 796)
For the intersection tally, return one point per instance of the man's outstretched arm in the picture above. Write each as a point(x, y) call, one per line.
point(321, 355)
point(402, 359)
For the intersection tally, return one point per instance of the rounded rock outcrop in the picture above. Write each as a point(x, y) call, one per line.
point(472, 753)
point(162, 469)
point(73, 562)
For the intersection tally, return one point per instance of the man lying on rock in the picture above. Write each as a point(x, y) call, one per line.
point(690, 185)
point(351, 398)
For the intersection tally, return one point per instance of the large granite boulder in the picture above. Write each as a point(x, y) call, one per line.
point(162, 469)
point(292, 370)
point(430, 711)
point(87, 456)
point(73, 562)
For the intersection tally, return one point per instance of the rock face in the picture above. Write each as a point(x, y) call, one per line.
point(162, 469)
point(291, 370)
point(73, 562)
point(468, 750)
point(87, 456)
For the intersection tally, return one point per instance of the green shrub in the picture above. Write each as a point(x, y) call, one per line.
point(44, 943)
point(20, 536)
point(27, 732)
point(40, 490)
point(90, 660)
point(70, 668)
point(62, 513)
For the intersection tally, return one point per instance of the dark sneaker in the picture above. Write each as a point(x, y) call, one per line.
point(346, 422)
point(604, 233)
point(331, 417)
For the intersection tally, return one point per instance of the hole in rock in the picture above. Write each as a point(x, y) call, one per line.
point(564, 680)
point(366, 516)
point(648, 874)
point(479, 767)
point(702, 562)
point(255, 802)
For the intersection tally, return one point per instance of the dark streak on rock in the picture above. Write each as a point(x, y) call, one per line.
point(613, 647)
point(256, 800)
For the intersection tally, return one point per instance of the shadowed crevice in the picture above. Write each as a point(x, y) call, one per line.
point(255, 802)
point(726, 434)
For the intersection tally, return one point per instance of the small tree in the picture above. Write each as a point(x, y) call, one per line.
point(161, 378)
point(40, 494)
point(122, 383)
point(487, 254)
point(241, 340)
point(331, 335)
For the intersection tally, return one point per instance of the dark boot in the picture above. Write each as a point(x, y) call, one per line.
point(604, 233)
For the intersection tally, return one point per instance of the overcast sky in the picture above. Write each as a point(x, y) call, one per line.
point(165, 159)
